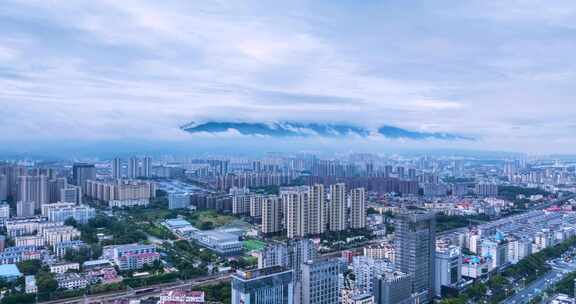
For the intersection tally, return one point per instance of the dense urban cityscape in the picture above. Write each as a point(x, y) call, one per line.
point(287, 152)
point(361, 228)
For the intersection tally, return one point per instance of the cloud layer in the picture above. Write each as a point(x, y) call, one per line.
point(501, 71)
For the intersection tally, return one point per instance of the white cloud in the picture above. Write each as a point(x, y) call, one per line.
point(119, 69)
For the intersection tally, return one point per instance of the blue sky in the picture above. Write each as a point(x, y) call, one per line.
point(501, 71)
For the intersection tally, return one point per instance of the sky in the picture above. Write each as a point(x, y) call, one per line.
point(502, 72)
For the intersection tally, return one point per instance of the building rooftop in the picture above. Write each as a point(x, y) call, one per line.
point(9, 271)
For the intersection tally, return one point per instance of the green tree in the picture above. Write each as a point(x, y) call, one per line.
point(46, 282)
point(30, 267)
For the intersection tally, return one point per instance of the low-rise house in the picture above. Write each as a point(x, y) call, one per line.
point(64, 267)
point(71, 281)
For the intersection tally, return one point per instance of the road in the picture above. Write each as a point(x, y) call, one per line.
point(560, 269)
point(145, 292)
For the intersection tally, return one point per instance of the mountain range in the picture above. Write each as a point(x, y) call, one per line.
point(299, 129)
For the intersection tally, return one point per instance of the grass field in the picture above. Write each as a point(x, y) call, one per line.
point(253, 245)
point(201, 218)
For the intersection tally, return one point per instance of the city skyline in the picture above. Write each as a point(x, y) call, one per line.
point(110, 74)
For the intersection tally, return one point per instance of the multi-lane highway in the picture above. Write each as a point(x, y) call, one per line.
point(560, 269)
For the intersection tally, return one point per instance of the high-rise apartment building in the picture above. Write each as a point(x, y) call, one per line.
point(320, 282)
point(358, 208)
point(133, 165)
point(55, 186)
point(146, 170)
point(317, 210)
point(415, 244)
point(271, 215)
point(178, 200)
point(241, 204)
point(116, 168)
point(71, 194)
point(33, 189)
point(3, 187)
point(81, 173)
point(486, 189)
point(256, 205)
point(271, 285)
point(296, 215)
point(337, 209)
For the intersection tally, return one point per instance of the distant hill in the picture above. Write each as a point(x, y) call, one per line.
point(298, 129)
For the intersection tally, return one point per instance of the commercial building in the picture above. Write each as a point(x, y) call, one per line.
point(448, 268)
point(415, 244)
point(393, 287)
point(220, 241)
point(273, 285)
point(320, 282)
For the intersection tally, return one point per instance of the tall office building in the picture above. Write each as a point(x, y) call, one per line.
point(271, 285)
point(358, 208)
point(146, 166)
point(133, 167)
point(317, 210)
point(33, 189)
point(393, 287)
point(271, 215)
point(321, 282)
point(116, 168)
point(415, 245)
point(337, 221)
point(81, 173)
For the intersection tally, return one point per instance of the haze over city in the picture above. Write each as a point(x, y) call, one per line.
point(126, 75)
